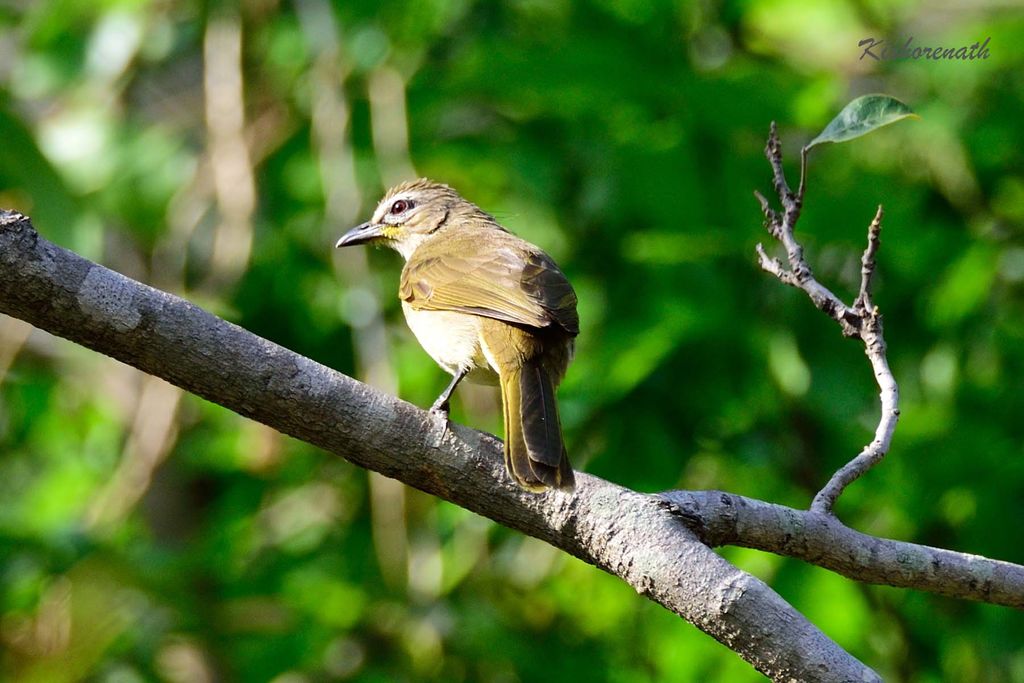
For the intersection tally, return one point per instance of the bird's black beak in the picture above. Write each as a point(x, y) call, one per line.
point(361, 234)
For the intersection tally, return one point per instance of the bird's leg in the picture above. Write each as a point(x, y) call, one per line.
point(441, 404)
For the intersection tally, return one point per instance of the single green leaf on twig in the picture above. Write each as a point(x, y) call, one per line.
point(861, 116)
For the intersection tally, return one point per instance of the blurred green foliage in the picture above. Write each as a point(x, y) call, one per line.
point(217, 151)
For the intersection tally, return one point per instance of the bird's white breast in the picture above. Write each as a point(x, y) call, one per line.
point(452, 339)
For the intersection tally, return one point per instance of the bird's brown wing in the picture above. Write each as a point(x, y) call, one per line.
point(514, 284)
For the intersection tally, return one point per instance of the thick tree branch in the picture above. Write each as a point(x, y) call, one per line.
point(861, 320)
point(720, 518)
point(628, 534)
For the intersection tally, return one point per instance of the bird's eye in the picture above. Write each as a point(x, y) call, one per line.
point(401, 206)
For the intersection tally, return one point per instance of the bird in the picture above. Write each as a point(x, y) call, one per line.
point(488, 307)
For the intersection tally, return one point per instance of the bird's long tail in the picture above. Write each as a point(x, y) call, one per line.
point(534, 451)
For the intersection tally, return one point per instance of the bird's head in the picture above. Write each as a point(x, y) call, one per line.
point(408, 214)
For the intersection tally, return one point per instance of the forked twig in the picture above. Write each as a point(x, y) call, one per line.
point(861, 320)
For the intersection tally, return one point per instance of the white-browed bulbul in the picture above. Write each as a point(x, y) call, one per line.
point(486, 305)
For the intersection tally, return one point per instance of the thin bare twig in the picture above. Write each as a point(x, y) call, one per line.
point(861, 320)
point(874, 346)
